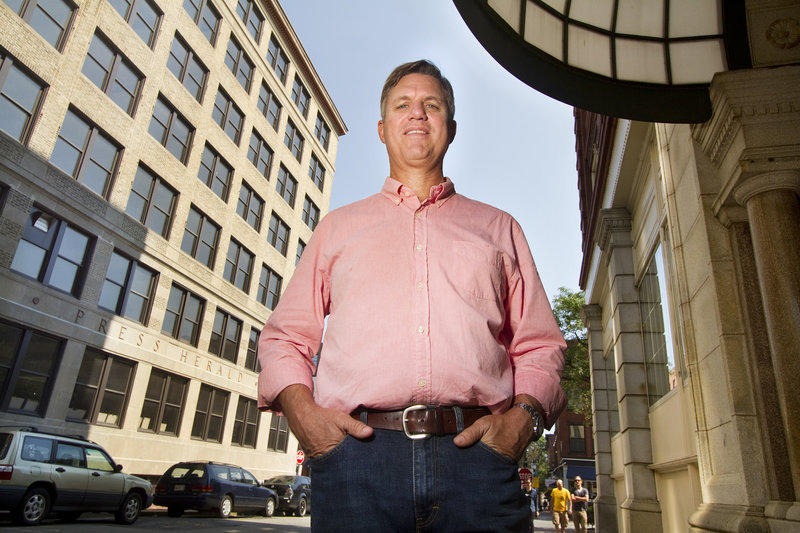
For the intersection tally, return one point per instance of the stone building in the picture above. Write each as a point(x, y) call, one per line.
point(691, 246)
point(162, 165)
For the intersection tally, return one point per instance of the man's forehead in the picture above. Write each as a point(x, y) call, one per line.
point(415, 84)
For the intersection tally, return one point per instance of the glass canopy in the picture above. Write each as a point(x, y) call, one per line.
point(640, 59)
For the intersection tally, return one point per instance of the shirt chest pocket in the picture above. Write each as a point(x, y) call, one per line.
point(477, 270)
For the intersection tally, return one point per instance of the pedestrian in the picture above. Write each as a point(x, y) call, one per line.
point(580, 499)
point(561, 506)
point(442, 359)
point(533, 495)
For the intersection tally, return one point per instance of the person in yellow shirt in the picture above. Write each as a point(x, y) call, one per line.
point(561, 506)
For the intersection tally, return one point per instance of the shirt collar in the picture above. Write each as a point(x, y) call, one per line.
point(399, 193)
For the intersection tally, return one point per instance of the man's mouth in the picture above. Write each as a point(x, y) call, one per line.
point(416, 132)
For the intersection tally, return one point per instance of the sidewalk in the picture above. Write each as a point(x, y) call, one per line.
point(545, 523)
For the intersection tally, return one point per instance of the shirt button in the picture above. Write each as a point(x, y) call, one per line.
point(420, 329)
point(421, 382)
point(419, 214)
point(419, 247)
point(420, 285)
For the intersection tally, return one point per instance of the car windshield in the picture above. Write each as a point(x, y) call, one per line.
point(188, 471)
point(281, 479)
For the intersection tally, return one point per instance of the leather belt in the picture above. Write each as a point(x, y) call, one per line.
point(421, 421)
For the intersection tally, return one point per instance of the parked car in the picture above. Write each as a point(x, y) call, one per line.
point(69, 475)
point(209, 485)
point(294, 493)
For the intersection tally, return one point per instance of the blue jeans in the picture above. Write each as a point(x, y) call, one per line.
point(392, 483)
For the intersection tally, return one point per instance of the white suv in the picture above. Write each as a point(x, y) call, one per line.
point(43, 472)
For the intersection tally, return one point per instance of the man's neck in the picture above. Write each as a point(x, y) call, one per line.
point(420, 183)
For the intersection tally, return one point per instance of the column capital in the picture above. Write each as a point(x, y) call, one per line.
point(611, 223)
point(591, 313)
point(783, 180)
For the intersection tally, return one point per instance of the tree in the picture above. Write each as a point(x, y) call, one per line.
point(535, 458)
point(575, 380)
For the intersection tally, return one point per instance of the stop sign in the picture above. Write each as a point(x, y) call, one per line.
point(525, 475)
point(300, 457)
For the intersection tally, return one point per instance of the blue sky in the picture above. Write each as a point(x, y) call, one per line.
point(514, 149)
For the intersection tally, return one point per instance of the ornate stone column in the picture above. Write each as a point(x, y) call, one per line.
point(640, 510)
point(773, 210)
point(605, 419)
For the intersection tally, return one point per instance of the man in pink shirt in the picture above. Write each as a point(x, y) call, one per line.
point(442, 359)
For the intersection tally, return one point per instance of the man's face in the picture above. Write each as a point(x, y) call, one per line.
point(414, 128)
point(578, 482)
point(560, 484)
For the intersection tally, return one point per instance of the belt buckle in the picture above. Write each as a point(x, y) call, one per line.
point(413, 436)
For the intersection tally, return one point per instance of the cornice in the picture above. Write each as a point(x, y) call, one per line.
point(609, 222)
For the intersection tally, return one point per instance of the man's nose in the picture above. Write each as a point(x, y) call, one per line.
point(418, 110)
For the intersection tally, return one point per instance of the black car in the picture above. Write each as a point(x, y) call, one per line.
point(209, 485)
point(294, 493)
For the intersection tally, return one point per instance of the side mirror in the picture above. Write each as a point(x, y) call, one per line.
point(117, 468)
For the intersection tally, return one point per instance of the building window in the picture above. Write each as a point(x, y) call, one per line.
point(301, 246)
point(128, 288)
point(239, 64)
point(209, 419)
point(260, 154)
point(229, 117)
point(170, 129)
point(20, 97)
point(251, 361)
point(27, 369)
point(286, 186)
point(101, 390)
point(143, 17)
point(215, 172)
point(50, 18)
point(293, 140)
point(53, 252)
point(322, 132)
point(278, 434)
point(277, 59)
point(86, 153)
point(316, 172)
point(250, 206)
point(269, 105)
point(205, 16)
point(183, 315)
point(251, 16)
point(245, 425)
point(152, 201)
point(300, 96)
point(163, 403)
point(187, 67)
point(310, 213)
point(577, 440)
point(200, 237)
point(269, 287)
point(112, 73)
point(278, 235)
point(238, 266)
point(225, 336)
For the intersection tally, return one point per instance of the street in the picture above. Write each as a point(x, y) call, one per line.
point(159, 521)
point(156, 519)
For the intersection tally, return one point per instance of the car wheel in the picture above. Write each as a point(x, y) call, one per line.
point(128, 512)
point(301, 507)
point(175, 512)
point(225, 507)
point(33, 507)
point(269, 507)
point(69, 516)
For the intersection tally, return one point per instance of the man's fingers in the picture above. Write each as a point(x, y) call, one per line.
point(357, 429)
point(471, 435)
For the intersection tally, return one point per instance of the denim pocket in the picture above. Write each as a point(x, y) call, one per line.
point(319, 459)
point(497, 455)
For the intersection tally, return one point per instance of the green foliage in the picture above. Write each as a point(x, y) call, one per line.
point(535, 458)
point(567, 306)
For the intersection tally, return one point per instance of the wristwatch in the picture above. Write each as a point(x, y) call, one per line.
point(536, 417)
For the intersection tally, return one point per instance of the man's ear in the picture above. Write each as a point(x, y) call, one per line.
point(451, 130)
point(380, 131)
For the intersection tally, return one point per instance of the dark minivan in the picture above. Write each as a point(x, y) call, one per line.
point(209, 485)
point(294, 493)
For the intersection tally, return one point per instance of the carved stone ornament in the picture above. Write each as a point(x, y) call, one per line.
point(784, 33)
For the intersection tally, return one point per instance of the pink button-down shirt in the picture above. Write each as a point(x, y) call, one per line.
point(435, 303)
